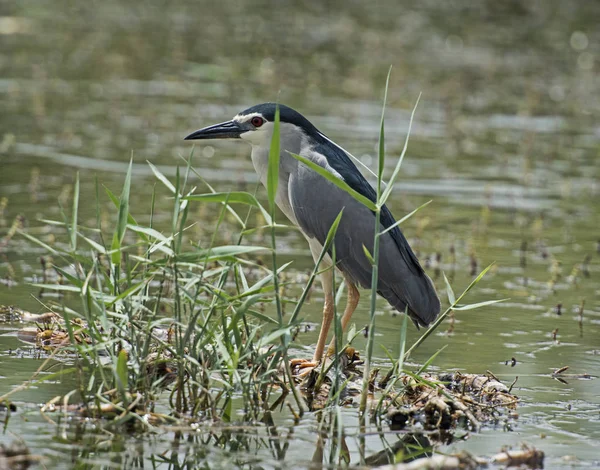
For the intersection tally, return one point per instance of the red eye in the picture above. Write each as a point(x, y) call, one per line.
point(257, 121)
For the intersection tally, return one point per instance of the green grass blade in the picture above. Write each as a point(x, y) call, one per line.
point(259, 285)
point(381, 152)
point(239, 197)
point(273, 169)
point(271, 337)
point(122, 373)
point(149, 232)
point(337, 181)
point(38, 242)
point(443, 316)
point(56, 287)
point(390, 185)
point(184, 211)
point(429, 361)
point(368, 255)
point(375, 261)
point(230, 250)
point(230, 209)
point(162, 178)
point(474, 282)
point(124, 204)
point(333, 230)
point(449, 291)
point(73, 231)
point(176, 206)
point(119, 232)
point(69, 277)
point(406, 217)
point(96, 246)
point(478, 304)
point(115, 201)
point(400, 364)
point(131, 291)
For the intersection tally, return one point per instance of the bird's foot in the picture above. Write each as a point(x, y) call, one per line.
point(351, 353)
point(302, 367)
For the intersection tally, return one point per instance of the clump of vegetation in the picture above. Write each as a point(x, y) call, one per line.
point(147, 317)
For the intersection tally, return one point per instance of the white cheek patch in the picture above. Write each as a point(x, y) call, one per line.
point(249, 136)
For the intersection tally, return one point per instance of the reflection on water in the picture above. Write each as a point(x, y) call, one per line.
point(505, 143)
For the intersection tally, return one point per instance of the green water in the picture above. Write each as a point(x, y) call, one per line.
point(506, 143)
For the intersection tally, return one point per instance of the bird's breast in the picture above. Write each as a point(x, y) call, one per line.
point(260, 160)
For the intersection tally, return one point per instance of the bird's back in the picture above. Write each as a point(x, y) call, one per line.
point(317, 202)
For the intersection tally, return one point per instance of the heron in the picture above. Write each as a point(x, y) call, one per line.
point(312, 203)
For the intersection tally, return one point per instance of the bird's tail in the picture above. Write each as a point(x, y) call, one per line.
point(419, 295)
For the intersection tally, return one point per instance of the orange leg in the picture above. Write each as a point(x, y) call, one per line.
point(326, 323)
point(352, 302)
point(328, 311)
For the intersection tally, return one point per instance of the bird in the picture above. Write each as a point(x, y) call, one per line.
point(312, 203)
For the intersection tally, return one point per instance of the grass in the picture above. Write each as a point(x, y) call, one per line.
point(152, 317)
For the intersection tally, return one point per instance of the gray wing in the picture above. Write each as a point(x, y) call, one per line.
point(316, 203)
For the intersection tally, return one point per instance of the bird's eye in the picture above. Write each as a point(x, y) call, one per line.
point(257, 121)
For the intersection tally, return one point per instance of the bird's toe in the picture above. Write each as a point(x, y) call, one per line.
point(302, 367)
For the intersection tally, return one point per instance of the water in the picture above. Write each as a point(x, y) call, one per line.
point(505, 143)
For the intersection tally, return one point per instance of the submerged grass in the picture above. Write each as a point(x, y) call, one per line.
point(159, 315)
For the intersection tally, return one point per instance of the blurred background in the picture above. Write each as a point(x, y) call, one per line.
point(506, 142)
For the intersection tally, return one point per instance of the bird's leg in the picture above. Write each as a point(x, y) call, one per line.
point(328, 311)
point(351, 303)
point(304, 365)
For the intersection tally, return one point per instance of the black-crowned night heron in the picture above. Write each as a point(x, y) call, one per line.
point(313, 203)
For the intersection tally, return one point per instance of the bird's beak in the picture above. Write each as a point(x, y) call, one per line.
point(225, 130)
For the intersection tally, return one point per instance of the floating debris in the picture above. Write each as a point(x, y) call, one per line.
point(115, 410)
point(585, 266)
point(439, 462)
point(435, 402)
point(512, 362)
point(16, 456)
point(523, 254)
point(473, 265)
point(9, 313)
point(527, 456)
point(558, 309)
point(560, 375)
point(403, 449)
point(7, 406)
point(449, 401)
point(580, 310)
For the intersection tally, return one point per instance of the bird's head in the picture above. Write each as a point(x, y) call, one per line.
point(255, 125)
